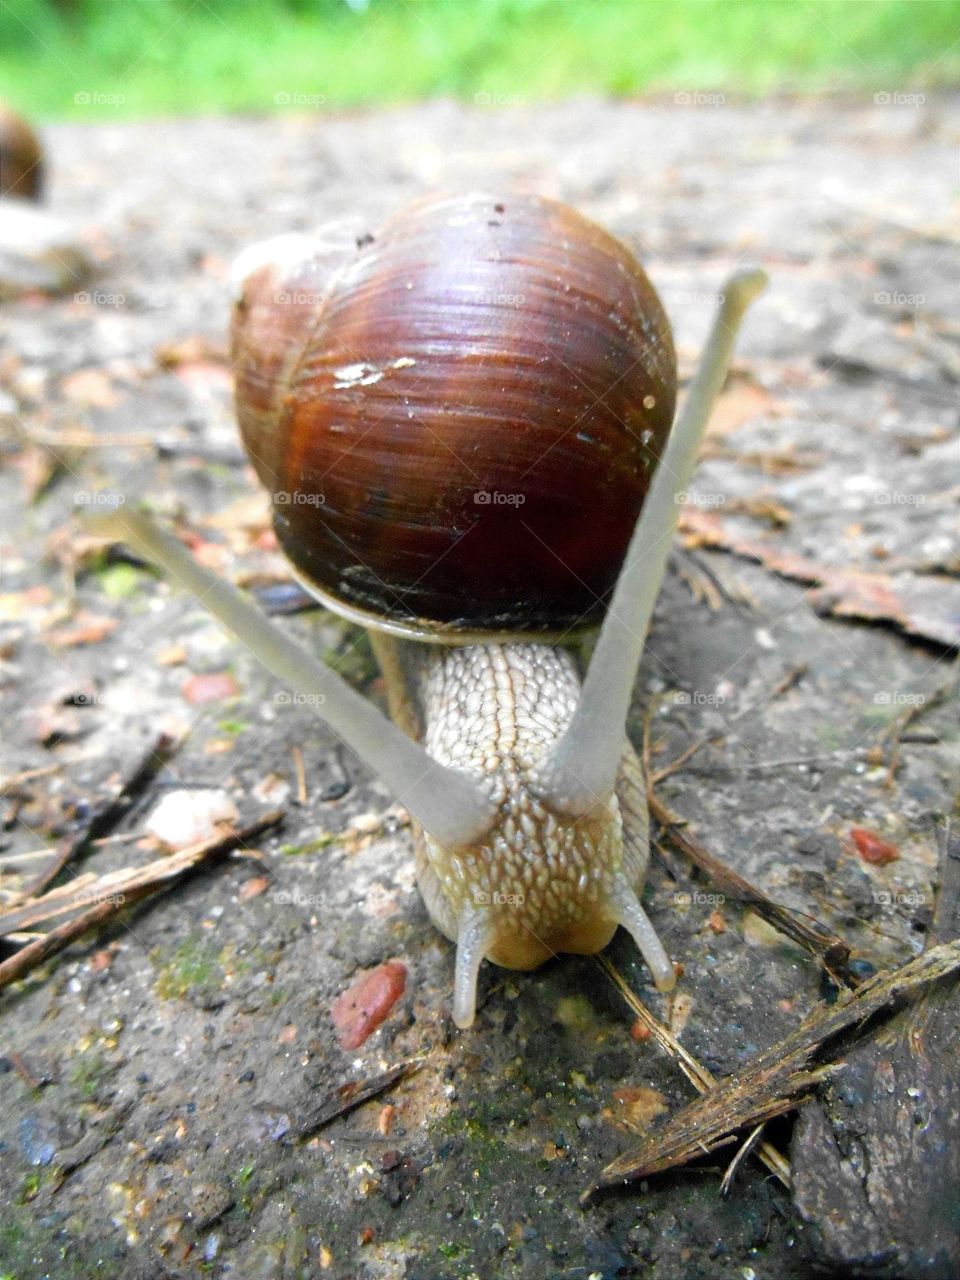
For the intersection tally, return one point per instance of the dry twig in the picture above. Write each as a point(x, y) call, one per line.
point(111, 894)
point(777, 1079)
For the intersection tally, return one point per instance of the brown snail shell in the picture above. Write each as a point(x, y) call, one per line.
point(21, 157)
point(459, 427)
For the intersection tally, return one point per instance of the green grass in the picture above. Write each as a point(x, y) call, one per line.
point(145, 57)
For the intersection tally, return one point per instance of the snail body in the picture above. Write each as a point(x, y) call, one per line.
point(477, 346)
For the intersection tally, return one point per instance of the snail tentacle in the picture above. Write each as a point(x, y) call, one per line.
point(450, 805)
point(628, 911)
point(473, 937)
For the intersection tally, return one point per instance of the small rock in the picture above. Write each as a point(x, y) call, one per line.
point(871, 848)
point(358, 1011)
point(39, 1138)
point(184, 818)
point(253, 888)
point(214, 686)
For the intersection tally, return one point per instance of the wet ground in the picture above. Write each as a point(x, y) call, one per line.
point(152, 1074)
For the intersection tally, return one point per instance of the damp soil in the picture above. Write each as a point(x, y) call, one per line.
point(152, 1074)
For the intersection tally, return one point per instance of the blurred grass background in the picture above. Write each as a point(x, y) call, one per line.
point(125, 58)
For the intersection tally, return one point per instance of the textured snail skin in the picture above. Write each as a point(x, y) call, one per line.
point(21, 157)
point(547, 883)
point(459, 427)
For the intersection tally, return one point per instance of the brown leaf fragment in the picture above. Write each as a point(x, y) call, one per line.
point(86, 628)
point(38, 468)
point(55, 723)
point(253, 888)
point(92, 388)
point(102, 959)
point(214, 686)
point(773, 462)
point(16, 605)
point(175, 655)
point(195, 349)
point(762, 507)
point(636, 1107)
point(741, 402)
point(206, 379)
point(923, 605)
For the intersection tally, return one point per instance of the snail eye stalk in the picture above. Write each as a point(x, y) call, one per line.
point(447, 803)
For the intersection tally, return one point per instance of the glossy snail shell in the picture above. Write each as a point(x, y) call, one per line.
point(21, 157)
point(459, 422)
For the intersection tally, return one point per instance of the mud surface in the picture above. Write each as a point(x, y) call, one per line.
point(150, 1074)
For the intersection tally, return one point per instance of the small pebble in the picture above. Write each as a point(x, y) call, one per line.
point(214, 686)
point(358, 1011)
point(871, 848)
point(184, 818)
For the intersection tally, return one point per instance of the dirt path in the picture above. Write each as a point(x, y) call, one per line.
point(159, 1062)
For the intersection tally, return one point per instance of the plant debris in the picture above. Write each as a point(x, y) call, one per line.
point(113, 892)
point(921, 605)
point(778, 1079)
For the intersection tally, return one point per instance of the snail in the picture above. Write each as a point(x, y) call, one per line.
point(21, 157)
point(39, 252)
point(467, 429)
